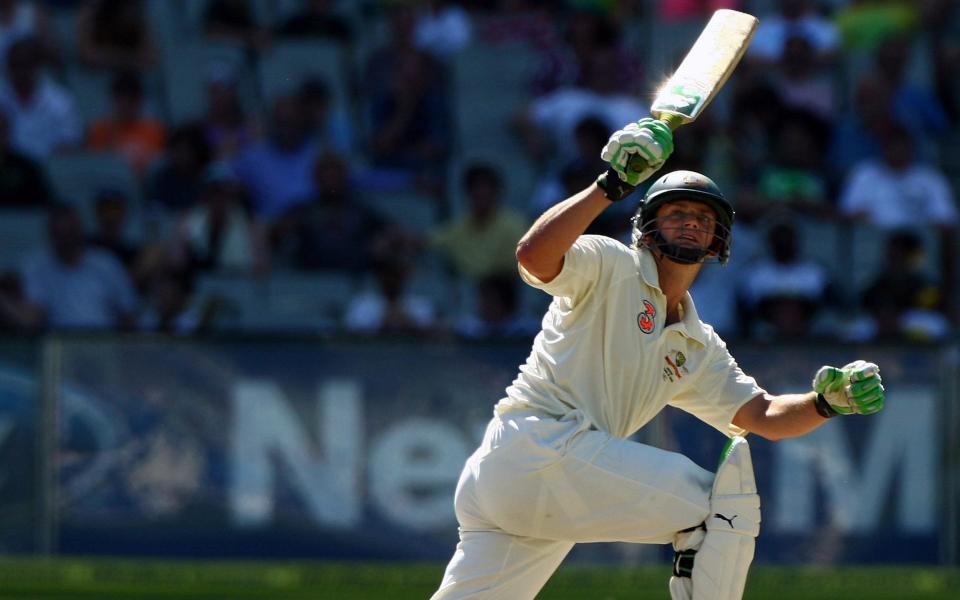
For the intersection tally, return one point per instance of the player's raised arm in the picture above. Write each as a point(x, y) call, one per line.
point(540, 251)
point(855, 388)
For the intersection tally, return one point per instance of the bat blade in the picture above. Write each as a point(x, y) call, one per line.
point(705, 68)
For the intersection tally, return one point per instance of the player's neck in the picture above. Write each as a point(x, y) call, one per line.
point(675, 280)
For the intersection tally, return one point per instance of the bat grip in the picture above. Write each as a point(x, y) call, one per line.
point(672, 121)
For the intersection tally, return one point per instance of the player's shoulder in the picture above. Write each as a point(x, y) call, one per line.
point(603, 244)
point(608, 251)
point(711, 337)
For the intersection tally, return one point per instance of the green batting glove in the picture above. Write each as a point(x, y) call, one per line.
point(854, 389)
point(638, 150)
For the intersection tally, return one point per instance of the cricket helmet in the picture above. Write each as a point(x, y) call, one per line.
point(684, 185)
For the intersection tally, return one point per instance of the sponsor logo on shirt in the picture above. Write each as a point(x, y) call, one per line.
point(645, 320)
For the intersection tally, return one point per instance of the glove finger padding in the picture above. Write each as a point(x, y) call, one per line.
point(638, 150)
point(856, 388)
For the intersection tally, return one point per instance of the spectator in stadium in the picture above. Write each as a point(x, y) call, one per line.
point(912, 103)
point(22, 19)
point(235, 21)
point(590, 134)
point(399, 43)
point(127, 131)
point(497, 311)
point(171, 307)
point(41, 113)
point(278, 170)
point(175, 184)
point(758, 107)
point(328, 128)
point(115, 34)
point(801, 82)
point(547, 125)
point(865, 24)
point(219, 234)
point(794, 18)
point(15, 309)
point(531, 23)
point(481, 242)
point(579, 172)
point(316, 19)
point(71, 285)
point(898, 190)
point(592, 31)
point(110, 210)
point(904, 299)
point(782, 296)
point(23, 181)
point(670, 11)
point(443, 28)
point(229, 127)
point(942, 25)
point(331, 230)
point(409, 119)
point(791, 179)
point(390, 307)
point(858, 129)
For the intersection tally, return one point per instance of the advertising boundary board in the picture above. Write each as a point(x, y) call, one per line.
point(304, 447)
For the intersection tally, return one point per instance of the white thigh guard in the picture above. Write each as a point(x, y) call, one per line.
point(723, 553)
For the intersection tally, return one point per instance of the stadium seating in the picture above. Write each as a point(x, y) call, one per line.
point(412, 210)
point(282, 67)
point(489, 85)
point(78, 177)
point(237, 294)
point(91, 89)
point(299, 301)
point(23, 232)
point(187, 69)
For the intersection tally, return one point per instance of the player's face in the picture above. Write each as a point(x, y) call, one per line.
point(687, 223)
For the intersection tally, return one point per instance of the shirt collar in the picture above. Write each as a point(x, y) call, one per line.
point(691, 326)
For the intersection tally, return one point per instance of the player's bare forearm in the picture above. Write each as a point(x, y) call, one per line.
point(541, 249)
point(779, 417)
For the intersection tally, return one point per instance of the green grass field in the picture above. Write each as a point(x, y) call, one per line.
point(114, 579)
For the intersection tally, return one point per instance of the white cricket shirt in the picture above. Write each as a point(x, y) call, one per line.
point(605, 350)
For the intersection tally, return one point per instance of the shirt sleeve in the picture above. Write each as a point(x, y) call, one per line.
point(719, 392)
point(32, 282)
point(943, 208)
point(69, 124)
point(124, 296)
point(856, 195)
point(585, 264)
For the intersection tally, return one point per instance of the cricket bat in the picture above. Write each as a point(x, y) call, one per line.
point(705, 69)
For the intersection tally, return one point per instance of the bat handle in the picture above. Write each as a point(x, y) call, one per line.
point(673, 121)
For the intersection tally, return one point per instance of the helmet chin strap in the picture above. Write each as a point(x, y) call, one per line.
point(679, 254)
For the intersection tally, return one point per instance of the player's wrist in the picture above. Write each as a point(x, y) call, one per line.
point(824, 409)
point(614, 188)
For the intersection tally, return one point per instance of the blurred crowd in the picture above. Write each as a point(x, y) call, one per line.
point(189, 166)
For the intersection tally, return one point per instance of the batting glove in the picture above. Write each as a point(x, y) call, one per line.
point(638, 150)
point(854, 389)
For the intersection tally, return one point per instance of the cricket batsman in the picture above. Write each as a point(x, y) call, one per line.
point(621, 340)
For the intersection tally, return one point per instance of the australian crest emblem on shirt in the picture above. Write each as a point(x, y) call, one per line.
point(676, 367)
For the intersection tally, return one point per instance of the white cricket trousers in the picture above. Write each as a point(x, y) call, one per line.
point(538, 485)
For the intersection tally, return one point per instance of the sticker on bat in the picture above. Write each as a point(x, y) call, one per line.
point(682, 99)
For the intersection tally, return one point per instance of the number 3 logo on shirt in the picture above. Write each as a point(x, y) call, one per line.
point(645, 319)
